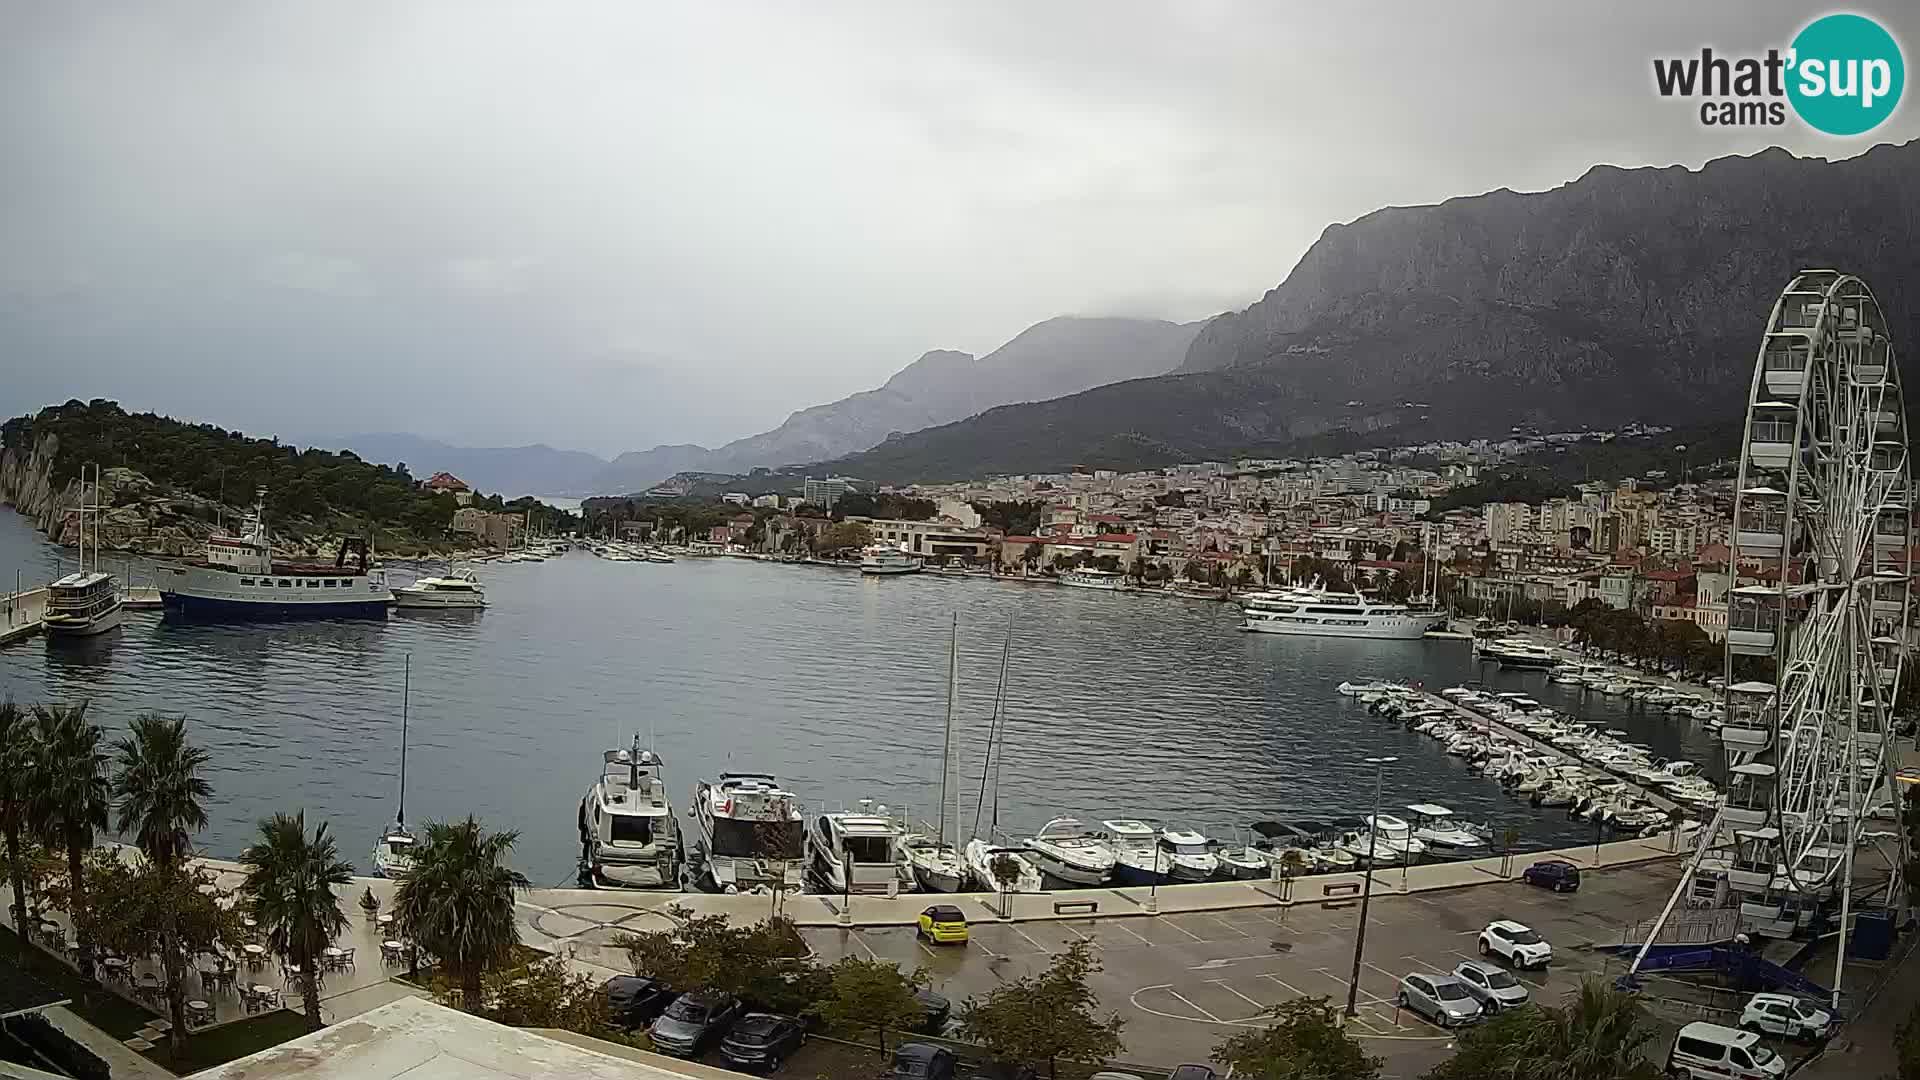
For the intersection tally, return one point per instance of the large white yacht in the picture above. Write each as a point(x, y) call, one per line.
point(751, 836)
point(1066, 850)
point(1086, 578)
point(1313, 611)
point(859, 852)
point(239, 580)
point(628, 834)
point(458, 589)
point(885, 559)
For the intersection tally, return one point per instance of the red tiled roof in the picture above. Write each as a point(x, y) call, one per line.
point(1021, 540)
point(1115, 538)
point(445, 481)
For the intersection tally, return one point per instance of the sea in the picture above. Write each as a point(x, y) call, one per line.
point(1114, 705)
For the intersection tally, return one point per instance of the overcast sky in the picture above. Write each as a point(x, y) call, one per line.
point(607, 226)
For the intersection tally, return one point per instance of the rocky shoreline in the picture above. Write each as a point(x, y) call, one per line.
point(139, 517)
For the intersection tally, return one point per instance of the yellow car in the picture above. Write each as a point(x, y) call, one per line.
point(943, 924)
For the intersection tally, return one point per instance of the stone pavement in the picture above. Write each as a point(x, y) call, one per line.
point(125, 1064)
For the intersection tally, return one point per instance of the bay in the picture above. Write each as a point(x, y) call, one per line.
point(1117, 705)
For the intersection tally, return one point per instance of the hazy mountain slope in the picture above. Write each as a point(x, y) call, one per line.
point(511, 471)
point(1627, 294)
point(1049, 359)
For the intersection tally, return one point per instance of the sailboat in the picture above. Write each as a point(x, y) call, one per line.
point(85, 602)
point(393, 855)
point(982, 854)
point(936, 864)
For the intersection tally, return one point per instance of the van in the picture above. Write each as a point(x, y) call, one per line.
point(1712, 1052)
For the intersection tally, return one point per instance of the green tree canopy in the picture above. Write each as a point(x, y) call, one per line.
point(1045, 1017)
point(871, 995)
point(1600, 1034)
point(764, 964)
point(1305, 1041)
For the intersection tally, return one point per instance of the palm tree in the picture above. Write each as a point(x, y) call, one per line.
point(292, 885)
point(16, 764)
point(457, 901)
point(160, 789)
point(1599, 1034)
point(68, 802)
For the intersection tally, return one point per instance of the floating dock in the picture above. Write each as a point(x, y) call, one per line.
point(20, 614)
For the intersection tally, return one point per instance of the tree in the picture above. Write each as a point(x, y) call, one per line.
point(1046, 1016)
point(1598, 1035)
point(1305, 1041)
point(545, 994)
point(871, 995)
point(16, 772)
point(292, 886)
point(765, 964)
point(777, 844)
point(160, 790)
point(143, 907)
point(457, 901)
point(69, 802)
point(1006, 874)
point(1906, 1047)
point(845, 536)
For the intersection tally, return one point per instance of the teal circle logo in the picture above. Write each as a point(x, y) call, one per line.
point(1846, 75)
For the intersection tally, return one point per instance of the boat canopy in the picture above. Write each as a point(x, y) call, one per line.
point(1430, 810)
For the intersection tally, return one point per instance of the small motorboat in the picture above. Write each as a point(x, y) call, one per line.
point(1066, 850)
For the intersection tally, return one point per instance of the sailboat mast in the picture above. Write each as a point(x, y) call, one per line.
point(999, 720)
point(946, 746)
point(406, 691)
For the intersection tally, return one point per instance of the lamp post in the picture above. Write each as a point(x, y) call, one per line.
point(1366, 890)
point(1153, 883)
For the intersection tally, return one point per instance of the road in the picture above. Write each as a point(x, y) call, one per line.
point(1184, 982)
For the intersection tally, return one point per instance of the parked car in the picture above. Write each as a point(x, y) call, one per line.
point(763, 1040)
point(938, 1008)
point(694, 1021)
point(1116, 1076)
point(1787, 1016)
point(633, 1001)
point(1555, 874)
point(1515, 943)
point(919, 1061)
point(1192, 1072)
point(1710, 1052)
point(943, 924)
point(1442, 999)
point(1492, 987)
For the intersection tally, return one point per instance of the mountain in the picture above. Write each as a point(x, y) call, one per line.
point(512, 471)
point(1628, 294)
point(1059, 356)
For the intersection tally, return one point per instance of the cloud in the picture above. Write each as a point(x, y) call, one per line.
point(305, 271)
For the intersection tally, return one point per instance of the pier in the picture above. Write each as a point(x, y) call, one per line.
point(22, 612)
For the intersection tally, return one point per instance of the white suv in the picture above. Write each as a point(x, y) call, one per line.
point(1787, 1016)
point(1515, 943)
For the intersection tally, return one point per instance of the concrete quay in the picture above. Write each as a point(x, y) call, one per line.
point(20, 614)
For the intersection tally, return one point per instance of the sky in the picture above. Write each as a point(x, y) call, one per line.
point(609, 225)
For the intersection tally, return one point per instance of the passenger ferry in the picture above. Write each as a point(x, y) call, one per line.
point(239, 580)
point(1313, 611)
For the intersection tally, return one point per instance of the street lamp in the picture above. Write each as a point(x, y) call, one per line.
point(1366, 891)
point(1153, 883)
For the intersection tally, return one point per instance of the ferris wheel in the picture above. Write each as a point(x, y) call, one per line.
point(1817, 613)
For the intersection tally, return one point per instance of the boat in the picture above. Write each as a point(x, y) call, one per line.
point(1434, 827)
point(1241, 861)
point(1088, 578)
point(885, 559)
point(983, 856)
point(458, 589)
point(629, 837)
point(1137, 859)
point(1314, 611)
point(863, 851)
point(1066, 850)
point(751, 839)
point(937, 864)
point(238, 579)
point(1187, 856)
point(87, 601)
point(1514, 652)
point(393, 854)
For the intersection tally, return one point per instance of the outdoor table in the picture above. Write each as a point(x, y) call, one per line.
point(114, 963)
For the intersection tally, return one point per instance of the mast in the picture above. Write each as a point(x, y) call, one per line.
point(946, 746)
point(999, 719)
point(406, 690)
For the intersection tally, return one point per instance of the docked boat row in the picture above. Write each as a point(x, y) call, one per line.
point(624, 551)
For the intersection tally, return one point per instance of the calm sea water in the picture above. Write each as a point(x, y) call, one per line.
point(1116, 705)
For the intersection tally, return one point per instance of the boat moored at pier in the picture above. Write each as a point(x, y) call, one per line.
point(239, 580)
point(1312, 611)
point(628, 834)
point(750, 835)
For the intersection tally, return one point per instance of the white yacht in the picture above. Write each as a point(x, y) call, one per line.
point(1517, 652)
point(937, 866)
point(884, 559)
point(393, 855)
point(1066, 850)
point(1137, 859)
point(750, 833)
point(1186, 855)
point(1313, 611)
point(859, 852)
point(87, 601)
point(239, 580)
point(458, 589)
point(1087, 578)
point(981, 855)
point(628, 833)
point(1444, 839)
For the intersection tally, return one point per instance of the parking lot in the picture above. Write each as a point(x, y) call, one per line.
point(1184, 982)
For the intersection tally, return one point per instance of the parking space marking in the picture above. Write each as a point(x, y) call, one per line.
point(1182, 998)
point(1222, 984)
point(1422, 964)
point(1069, 928)
point(1222, 922)
point(1287, 986)
point(924, 947)
point(1122, 924)
point(1030, 941)
point(986, 948)
point(862, 940)
point(1134, 1000)
point(1182, 929)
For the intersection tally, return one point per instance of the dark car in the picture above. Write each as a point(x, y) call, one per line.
point(693, 1022)
point(1553, 874)
point(763, 1040)
point(918, 1061)
point(1192, 1072)
point(633, 1001)
point(938, 1010)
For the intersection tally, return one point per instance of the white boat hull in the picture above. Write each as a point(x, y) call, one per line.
point(1061, 870)
point(99, 624)
point(1380, 628)
point(408, 598)
point(888, 571)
